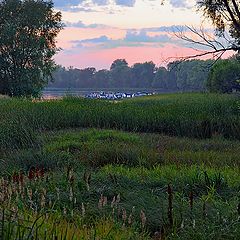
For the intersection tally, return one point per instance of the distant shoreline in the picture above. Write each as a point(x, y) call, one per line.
point(60, 92)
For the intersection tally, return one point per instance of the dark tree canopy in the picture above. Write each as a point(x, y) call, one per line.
point(145, 72)
point(28, 30)
point(224, 76)
point(118, 63)
point(177, 76)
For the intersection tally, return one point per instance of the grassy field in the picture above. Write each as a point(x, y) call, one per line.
point(160, 167)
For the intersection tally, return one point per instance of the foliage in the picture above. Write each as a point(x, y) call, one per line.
point(191, 115)
point(71, 198)
point(120, 74)
point(28, 31)
point(101, 183)
point(184, 76)
point(225, 16)
point(224, 77)
point(16, 133)
point(143, 73)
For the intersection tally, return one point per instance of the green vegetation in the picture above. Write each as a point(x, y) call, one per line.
point(177, 76)
point(190, 115)
point(63, 177)
point(28, 31)
point(224, 77)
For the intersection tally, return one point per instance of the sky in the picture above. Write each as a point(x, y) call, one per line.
point(99, 31)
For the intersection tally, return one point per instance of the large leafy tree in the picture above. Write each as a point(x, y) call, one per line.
point(143, 73)
point(120, 74)
point(28, 31)
point(224, 76)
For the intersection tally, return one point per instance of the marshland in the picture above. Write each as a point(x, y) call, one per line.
point(155, 167)
point(120, 163)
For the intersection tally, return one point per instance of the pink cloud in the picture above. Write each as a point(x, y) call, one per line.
point(103, 58)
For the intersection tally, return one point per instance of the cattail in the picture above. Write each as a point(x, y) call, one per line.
point(50, 202)
point(87, 179)
point(41, 172)
point(131, 216)
point(104, 201)
point(124, 215)
point(118, 199)
point(37, 173)
point(58, 193)
point(143, 218)
point(64, 211)
point(21, 178)
point(83, 210)
point(118, 213)
point(113, 212)
point(182, 224)
point(100, 202)
point(15, 213)
point(71, 194)
point(130, 219)
point(113, 202)
point(157, 236)
point(71, 180)
point(43, 200)
point(133, 209)
point(29, 193)
point(31, 174)
point(15, 178)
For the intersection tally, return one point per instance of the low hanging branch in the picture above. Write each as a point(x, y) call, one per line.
point(210, 45)
point(225, 17)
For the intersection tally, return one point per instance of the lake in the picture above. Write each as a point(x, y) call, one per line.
point(50, 93)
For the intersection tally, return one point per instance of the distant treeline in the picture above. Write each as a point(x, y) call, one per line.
point(184, 76)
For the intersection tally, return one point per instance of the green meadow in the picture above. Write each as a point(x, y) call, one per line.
point(157, 167)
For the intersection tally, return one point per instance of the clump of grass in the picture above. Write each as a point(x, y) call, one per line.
point(26, 159)
point(16, 134)
point(97, 148)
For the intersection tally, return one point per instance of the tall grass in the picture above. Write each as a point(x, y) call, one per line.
point(191, 115)
point(59, 182)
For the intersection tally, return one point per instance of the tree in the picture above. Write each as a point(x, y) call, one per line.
point(225, 16)
point(143, 74)
point(85, 77)
point(101, 79)
point(224, 76)
point(161, 78)
point(28, 31)
point(118, 63)
point(120, 74)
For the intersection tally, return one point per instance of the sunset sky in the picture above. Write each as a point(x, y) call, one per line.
point(100, 31)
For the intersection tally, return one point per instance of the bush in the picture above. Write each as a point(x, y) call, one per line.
point(15, 134)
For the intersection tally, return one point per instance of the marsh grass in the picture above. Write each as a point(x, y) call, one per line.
point(61, 179)
point(190, 115)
